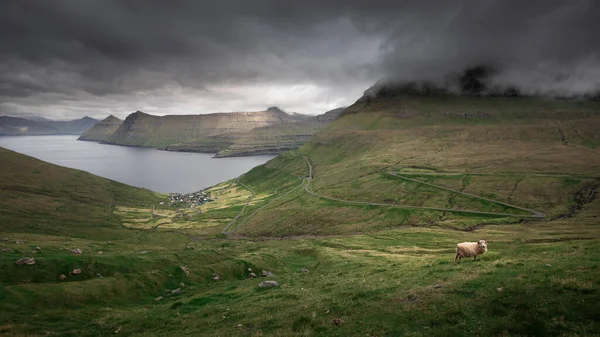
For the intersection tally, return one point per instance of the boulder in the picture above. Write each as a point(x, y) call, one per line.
point(216, 277)
point(268, 284)
point(158, 298)
point(6, 250)
point(26, 261)
point(185, 269)
point(76, 251)
point(38, 248)
point(303, 270)
point(252, 275)
point(63, 277)
point(77, 271)
point(182, 285)
point(176, 291)
point(266, 273)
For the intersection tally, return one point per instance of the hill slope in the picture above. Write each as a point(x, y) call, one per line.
point(39, 197)
point(432, 160)
point(383, 223)
point(102, 130)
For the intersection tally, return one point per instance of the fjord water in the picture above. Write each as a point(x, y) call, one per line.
point(160, 171)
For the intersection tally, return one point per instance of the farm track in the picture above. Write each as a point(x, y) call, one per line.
point(534, 214)
point(232, 228)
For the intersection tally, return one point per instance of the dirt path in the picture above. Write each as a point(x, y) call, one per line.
point(232, 228)
point(226, 229)
point(534, 213)
point(264, 206)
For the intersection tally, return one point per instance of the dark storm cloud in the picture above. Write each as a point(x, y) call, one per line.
point(192, 56)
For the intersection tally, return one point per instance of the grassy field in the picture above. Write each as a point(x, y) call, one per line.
point(344, 269)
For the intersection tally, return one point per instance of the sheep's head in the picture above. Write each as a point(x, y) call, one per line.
point(482, 243)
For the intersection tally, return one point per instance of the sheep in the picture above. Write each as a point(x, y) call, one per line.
point(468, 249)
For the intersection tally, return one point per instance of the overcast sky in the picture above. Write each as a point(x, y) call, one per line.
point(68, 59)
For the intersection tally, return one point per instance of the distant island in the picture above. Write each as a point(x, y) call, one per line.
point(38, 126)
point(271, 131)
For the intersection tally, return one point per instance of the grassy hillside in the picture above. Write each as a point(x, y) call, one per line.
point(359, 227)
point(445, 161)
point(38, 197)
point(272, 139)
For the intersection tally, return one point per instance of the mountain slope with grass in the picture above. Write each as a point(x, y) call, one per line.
point(39, 197)
point(141, 129)
point(358, 228)
point(102, 130)
point(228, 134)
point(462, 155)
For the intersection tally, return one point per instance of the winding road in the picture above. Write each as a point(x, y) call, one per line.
point(534, 214)
point(230, 228)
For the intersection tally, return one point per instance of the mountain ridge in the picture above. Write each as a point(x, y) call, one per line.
point(15, 126)
point(264, 132)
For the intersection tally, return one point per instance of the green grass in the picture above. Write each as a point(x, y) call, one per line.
point(372, 270)
point(394, 283)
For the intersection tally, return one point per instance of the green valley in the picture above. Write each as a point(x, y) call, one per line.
point(358, 228)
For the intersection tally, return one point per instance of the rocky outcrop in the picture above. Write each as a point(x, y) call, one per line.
point(102, 130)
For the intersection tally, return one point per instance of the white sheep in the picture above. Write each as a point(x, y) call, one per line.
point(468, 249)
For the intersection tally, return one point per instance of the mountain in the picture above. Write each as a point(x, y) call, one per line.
point(141, 129)
point(42, 126)
point(357, 231)
point(14, 126)
point(229, 134)
point(102, 130)
point(278, 138)
point(73, 127)
point(271, 139)
point(330, 115)
point(535, 153)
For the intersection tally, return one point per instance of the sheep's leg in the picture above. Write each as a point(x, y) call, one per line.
point(475, 258)
point(456, 257)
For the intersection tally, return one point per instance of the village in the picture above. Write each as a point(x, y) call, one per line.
point(194, 198)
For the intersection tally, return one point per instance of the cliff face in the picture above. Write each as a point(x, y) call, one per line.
point(102, 130)
point(271, 139)
point(141, 129)
point(228, 134)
